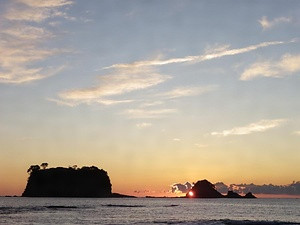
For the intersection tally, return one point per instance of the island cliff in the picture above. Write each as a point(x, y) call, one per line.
point(67, 182)
point(205, 189)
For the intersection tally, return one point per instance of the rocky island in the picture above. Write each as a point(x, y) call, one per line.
point(68, 182)
point(205, 189)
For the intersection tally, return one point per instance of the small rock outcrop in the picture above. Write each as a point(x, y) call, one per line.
point(249, 195)
point(231, 194)
point(67, 182)
point(205, 189)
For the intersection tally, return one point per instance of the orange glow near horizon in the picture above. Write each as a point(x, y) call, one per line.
point(191, 194)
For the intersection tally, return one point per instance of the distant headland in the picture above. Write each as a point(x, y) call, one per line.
point(205, 189)
point(68, 182)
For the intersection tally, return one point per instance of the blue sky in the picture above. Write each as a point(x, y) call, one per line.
point(190, 89)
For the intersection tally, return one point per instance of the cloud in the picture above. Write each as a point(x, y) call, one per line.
point(21, 75)
point(209, 55)
point(176, 139)
point(21, 41)
point(297, 133)
point(268, 24)
point(36, 10)
point(48, 3)
point(116, 84)
point(221, 187)
point(289, 189)
point(62, 103)
point(119, 82)
point(287, 65)
point(20, 53)
point(27, 33)
point(181, 188)
point(28, 14)
point(150, 104)
point(73, 103)
point(148, 114)
point(260, 126)
point(143, 125)
point(187, 91)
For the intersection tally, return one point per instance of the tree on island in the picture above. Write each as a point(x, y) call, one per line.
point(33, 168)
point(44, 165)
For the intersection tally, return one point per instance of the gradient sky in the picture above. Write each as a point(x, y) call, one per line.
point(155, 92)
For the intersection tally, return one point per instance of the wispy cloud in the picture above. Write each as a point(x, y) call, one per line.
point(260, 126)
point(297, 132)
point(187, 91)
point(288, 64)
point(73, 103)
point(212, 54)
point(151, 104)
point(268, 24)
point(149, 114)
point(36, 10)
point(176, 139)
point(48, 3)
point(114, 84)
point(143, 125)
point(20, 75)
point(27, 33)
point(119, 82)
point(21, 41)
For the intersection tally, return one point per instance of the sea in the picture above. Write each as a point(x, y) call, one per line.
point(21, 210)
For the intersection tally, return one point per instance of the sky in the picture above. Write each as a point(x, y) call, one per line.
point(156, 93)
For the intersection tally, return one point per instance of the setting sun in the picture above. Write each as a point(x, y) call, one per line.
point(191, 194)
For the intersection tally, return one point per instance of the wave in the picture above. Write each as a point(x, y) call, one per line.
point(256, 222)
point(170, 205)
point(134, 206)
point(15, 210)
point(61, 207)
point(126, 206)
point(227, 222)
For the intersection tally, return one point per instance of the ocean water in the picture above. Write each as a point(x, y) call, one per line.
point(19, 210)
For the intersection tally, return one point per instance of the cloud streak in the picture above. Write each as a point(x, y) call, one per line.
point(297, 133)
point(48, 3)
point(217, 53)
point(115, 84)
point(268, 24)
point(120, 82)
point(36, 10)
point(143, 125)
point(260, 126)
point(149, 114)
point(290, 189)
point(187, 91)
point(287, 65)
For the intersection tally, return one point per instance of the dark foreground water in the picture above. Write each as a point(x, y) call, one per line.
point(149, 211)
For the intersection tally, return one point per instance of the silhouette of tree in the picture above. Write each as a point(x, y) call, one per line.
point(33, 168)
point(44, 165)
